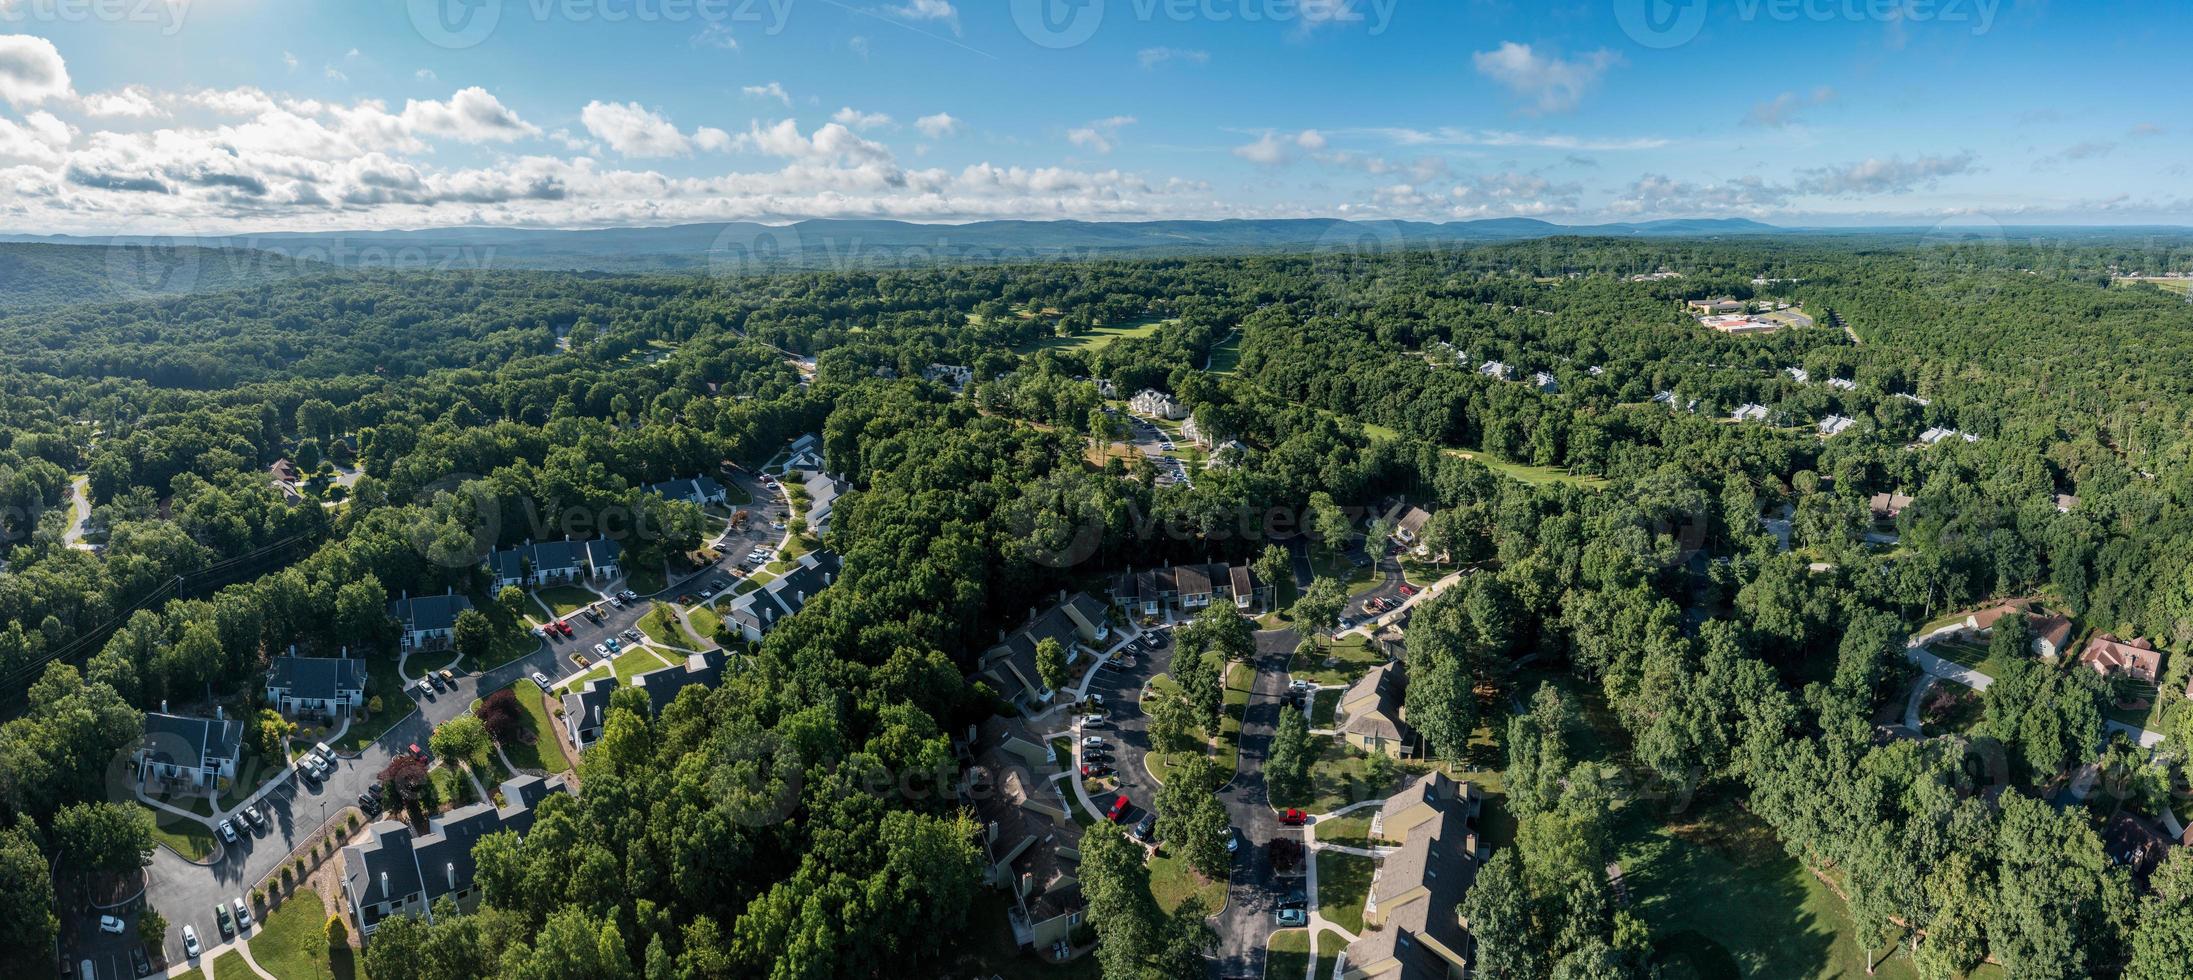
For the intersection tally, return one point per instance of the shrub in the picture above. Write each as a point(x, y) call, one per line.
point(338, 934)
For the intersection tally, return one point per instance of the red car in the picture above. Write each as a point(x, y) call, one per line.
point(1408, 590)
point(564, 627)
point(421, 753)
point(1293, 818)
point(1119, 809)
point(1093, 771)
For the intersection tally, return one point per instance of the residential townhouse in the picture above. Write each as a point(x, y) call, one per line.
point(189, 753)
point(395, 871)
point(1031, 846)
point(1189, 589)
point(554, 562)
point(1152, 403)
point(1413, 926)
point(327, 687)
point(1371, 714)
point(585, 710)
point(700, 491)
point(427, 622)
point(756, 613)
point(1076, 622)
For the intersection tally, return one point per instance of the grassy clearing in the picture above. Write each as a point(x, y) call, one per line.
point(291, 942)
point(188, 838)
point(1288, 954)
point(1324, 705)
point(1226, 357)
point(703, 623)
point(1353, 830)
point(566, 599)
point(1338, 777)
point(1529, 474)
point(540, 753)
point(1329, 946)
point(1172, 882)
point(1097, 339)
point(1240, 681)
point(1966, 653)
point(1343, 883)
point(231, 966)
point(634, 661)
point(661, 624)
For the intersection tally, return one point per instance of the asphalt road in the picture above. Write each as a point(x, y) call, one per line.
point(1253, 895)
point(1127, 736)
point(1388, 587)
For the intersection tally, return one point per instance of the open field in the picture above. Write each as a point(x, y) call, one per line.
point(1172, 882)
point(1226, 357)
point(1529, 474)
point(188, 838)
point(1097, 339)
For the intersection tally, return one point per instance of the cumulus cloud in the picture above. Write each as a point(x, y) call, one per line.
point(39, 139)
point(832, 142)
point(926, 10)
point(1267, 150)
point(1547, 82)
point(635, 131)
point(1153, 57)
point(31, 70)
point(939, 126)
point(856, 119)
point(773, 90)
point(1657, 194)
point(471, 115)
point(133, 102)
point(1099, 136)
point(1893, 175)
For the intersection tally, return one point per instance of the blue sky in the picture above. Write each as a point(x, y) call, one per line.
point(242, 115)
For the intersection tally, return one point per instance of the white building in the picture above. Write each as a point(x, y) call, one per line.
point(1152, 403)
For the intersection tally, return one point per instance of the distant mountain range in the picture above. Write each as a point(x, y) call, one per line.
point(837, 243)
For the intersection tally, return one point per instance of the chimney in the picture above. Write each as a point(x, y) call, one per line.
point(218, 715)
point(451, 870)
point(163, 706)
point(992, 838)
point(384, 886)
point(1027, 884)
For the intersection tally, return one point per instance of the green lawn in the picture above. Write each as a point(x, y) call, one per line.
point(635, 661)
point(1324, 705)
point(1226, 357)
point(1353, 830)
point(188, 838)
point(292, 942)
point(1724, 899)
point(231, 966)
point(1097, 339)
point(1172, 882)
point(566, 599)
point(1351, 657)
point(1289, 956)
point(541, 753)
point(661, 624)
point(1337, 778)
point(1343, 883)
point(1240, 681)
point(1966, 653)
point(1529, 474)
point(704, 623)
point(1329, 946)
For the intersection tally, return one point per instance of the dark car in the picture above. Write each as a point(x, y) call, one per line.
point(138, 964)
point(1294, 900)
point(1147, 828)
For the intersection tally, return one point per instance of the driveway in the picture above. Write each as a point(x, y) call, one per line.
point(1253, 895)
point(185, 892)
point(1388, 587)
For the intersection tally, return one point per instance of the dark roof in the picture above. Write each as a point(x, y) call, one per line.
point(318, 678)
point(429, 612)
point(602, 551)
point(1193, 579)
point(440, 862)
point(557, 554)
point(583, 710)
point(662, 686)
point(507, 563)
point(1439, 856)
point(690, 489)
point(1389, 685)
point(178, 740)
point(763, 607)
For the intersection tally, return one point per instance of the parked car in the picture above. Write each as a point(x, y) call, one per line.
point(1294, 900)
point(1146, 828)
point(220, 917)
point(1092, 741)
point(613, 644)
point(1408, 590)
point(1092, 771)
point(1292, 817)
point(1119, 809)
point(433, 681)
point(190, 942)
point(564, 626)
point(617, 601)
point(110, 924)
point(321, 749)
point(540, 680)
point(306, 772)
point(601, 649)
point(1094, 721)
point(1291, 917)
point(540, 633)
point(633, 635)
point(228, 832)
point(243, 914)
point(254, 817)
point(448, 676)
point(1096, 755)
point(138, 964)
point(591, 616)
point(1233, 841)
point(421, 753)
point(369, 803)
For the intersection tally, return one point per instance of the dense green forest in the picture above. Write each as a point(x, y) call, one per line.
point(768, 827)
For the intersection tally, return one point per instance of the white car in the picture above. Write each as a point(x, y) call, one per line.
point(190, 942)
point(601, 650)
point(540, 680)
point(110, 924)
point(243, 914)
point(228, 832)
point(1092, 741)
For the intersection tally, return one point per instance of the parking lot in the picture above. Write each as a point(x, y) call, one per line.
point(1126, 732)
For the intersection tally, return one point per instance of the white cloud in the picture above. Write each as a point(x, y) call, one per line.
point(1894, 175)
point(858, 44)
point(31, 70)
point(1153, 57)
point(716, 35)
point(335, 74)
point(424, 74)
point(289, 61)
point(40, 139)
point(833, 142)
point(922, 10)
point(471, 115)
point(1310, 139)
point(1549, 83)
point(1782, 109)
point(635, 131)
point(856, 119)
point(939, 126)
point(1268, 150)
point(132, 102)
point(1453, 136)
point(773, 90)
point(1098, 137)
point(1659, 195)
